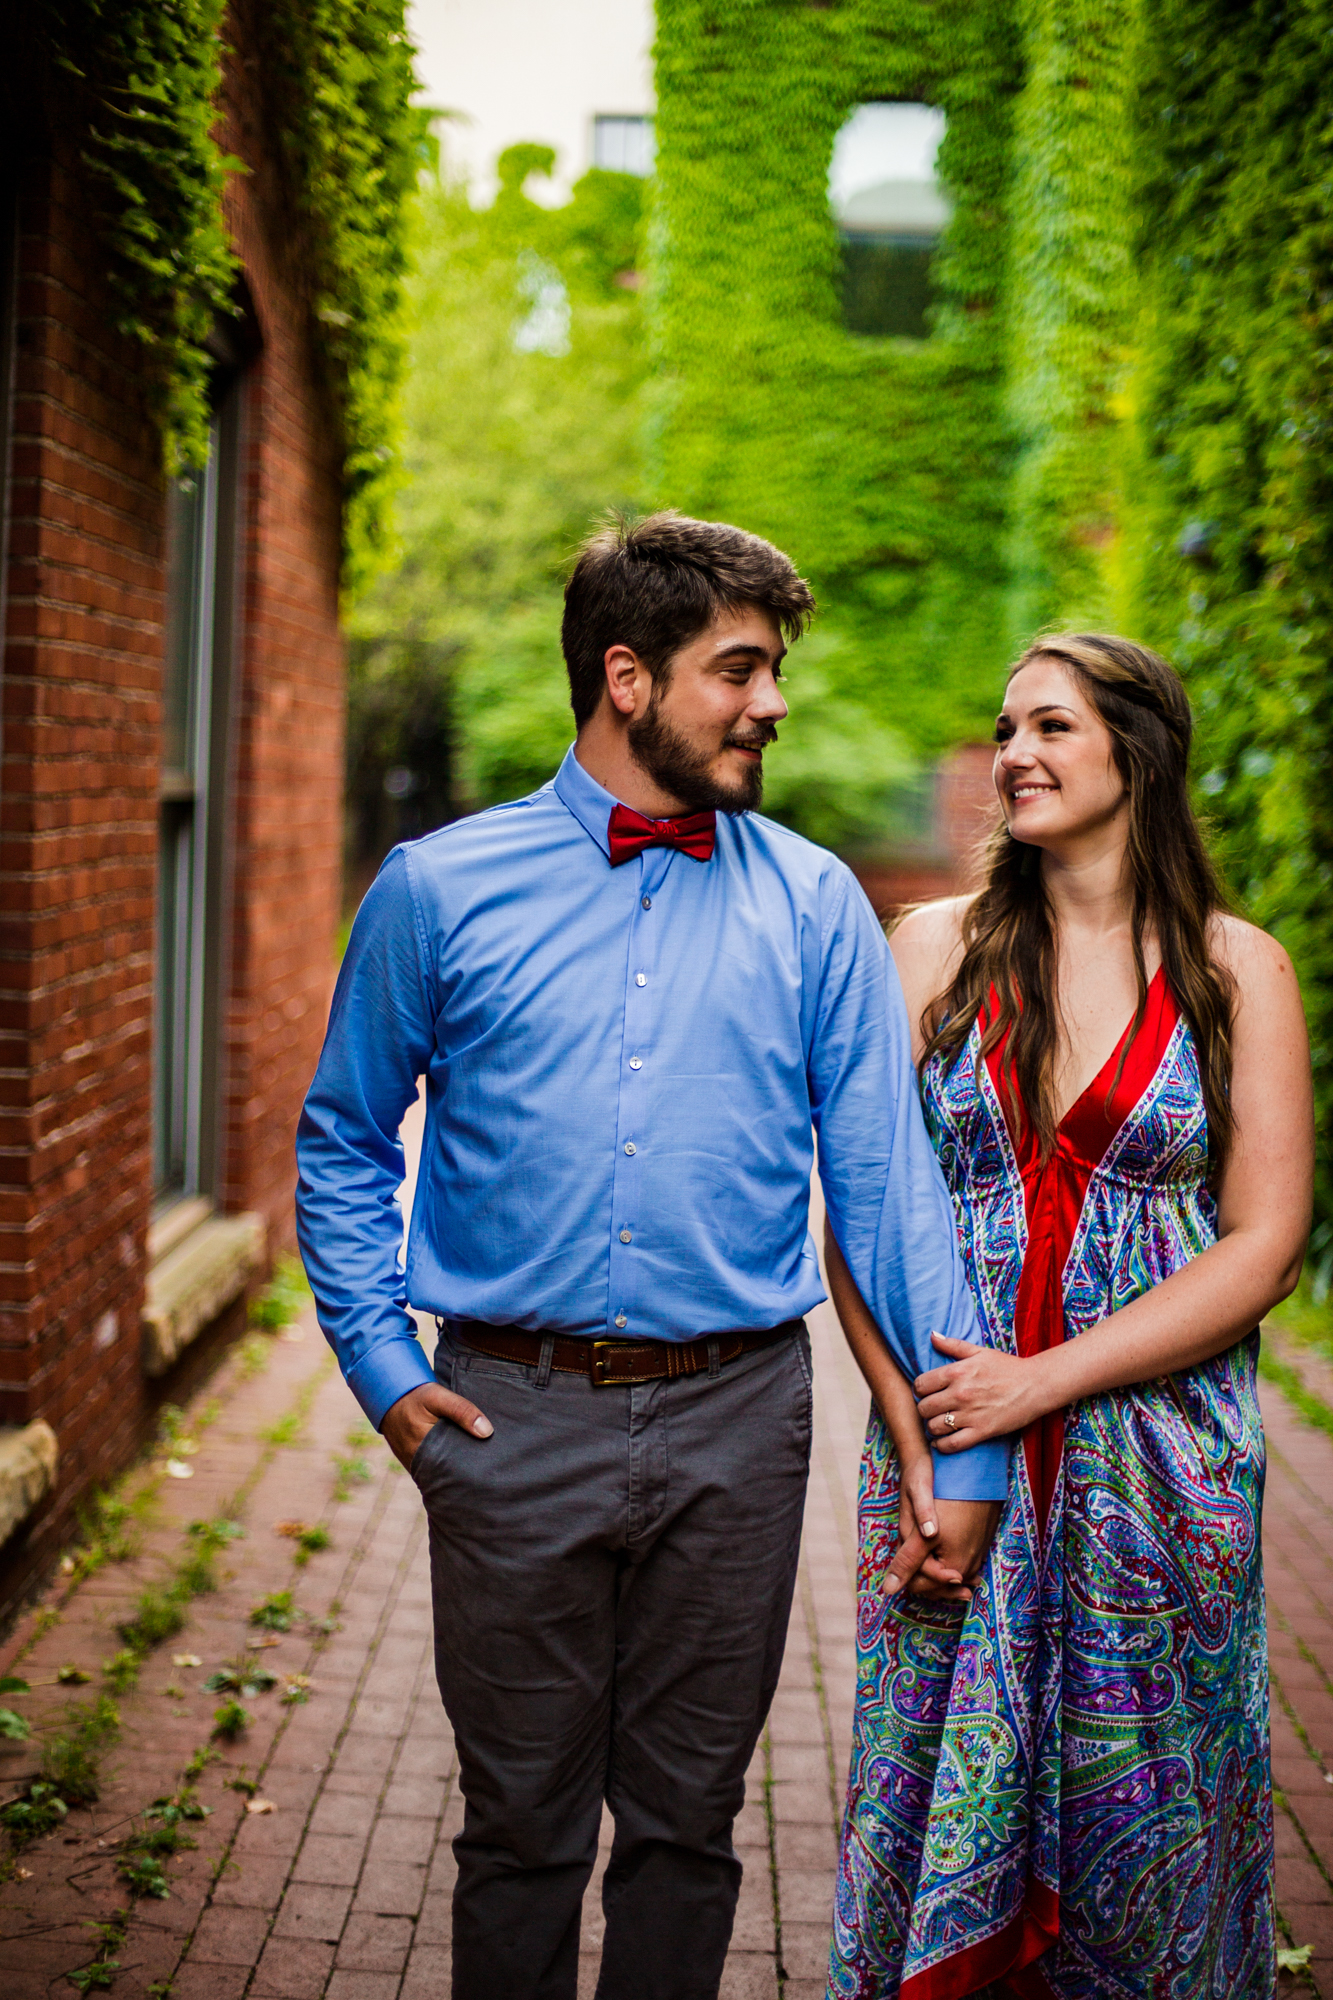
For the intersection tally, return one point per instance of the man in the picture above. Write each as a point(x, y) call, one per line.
point(631, 999)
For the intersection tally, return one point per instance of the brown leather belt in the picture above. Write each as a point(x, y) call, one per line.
point(608, 1362)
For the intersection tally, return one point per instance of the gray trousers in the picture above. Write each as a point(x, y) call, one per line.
point(612, 1575)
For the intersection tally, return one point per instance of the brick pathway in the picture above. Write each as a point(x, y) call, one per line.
point(342, 1889)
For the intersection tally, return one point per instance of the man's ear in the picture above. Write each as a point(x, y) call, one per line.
point(626, 676)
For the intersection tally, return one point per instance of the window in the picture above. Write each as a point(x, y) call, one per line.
point(624, 145)
point(192, 787)
point(890, 212)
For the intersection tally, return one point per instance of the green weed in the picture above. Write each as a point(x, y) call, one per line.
point(361, 1434)
point(15, 1727)
point(286, 1430)
point(309, 1542)
point(122, 1670)
point(252, 1357)
point(230, 1719)
point(159, 1614)
point(72, 1676)
point(275, 1612)
point(244, 1677)
point(283, 1298)
point(199, 1763)
point(39, 1811)
point(72, 1757)
point(142, 1875)
point(349, 1472)
point(99, 1975)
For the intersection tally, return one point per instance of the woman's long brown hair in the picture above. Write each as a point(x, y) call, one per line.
point(1008, 933)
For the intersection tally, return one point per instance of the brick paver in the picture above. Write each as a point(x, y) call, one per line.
point(342, 1888)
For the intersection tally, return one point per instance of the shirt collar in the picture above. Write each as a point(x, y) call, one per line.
point(585, 799)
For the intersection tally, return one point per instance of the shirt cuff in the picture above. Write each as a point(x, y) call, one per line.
point(979, 1473)
point(388, 1371)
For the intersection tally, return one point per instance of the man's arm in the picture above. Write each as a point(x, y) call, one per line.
point(887, 1203)
point(380, 1038)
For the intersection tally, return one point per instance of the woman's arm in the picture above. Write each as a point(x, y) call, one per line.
point(1263, 1222)
point(941, 1545)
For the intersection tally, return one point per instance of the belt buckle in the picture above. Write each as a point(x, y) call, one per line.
point(597, 1365)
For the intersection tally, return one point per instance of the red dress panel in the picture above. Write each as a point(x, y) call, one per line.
point(1053, 1194)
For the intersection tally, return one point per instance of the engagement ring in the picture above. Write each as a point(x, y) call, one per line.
point(950, 1419)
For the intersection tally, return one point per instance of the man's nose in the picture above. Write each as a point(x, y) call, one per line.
point(767, 704)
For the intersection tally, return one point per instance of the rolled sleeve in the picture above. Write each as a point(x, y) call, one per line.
point(886, 1198)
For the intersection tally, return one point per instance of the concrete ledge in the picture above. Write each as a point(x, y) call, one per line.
point(192, 1284)
point(27, 1471)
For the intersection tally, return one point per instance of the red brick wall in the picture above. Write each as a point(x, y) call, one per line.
point(79, 765)
point(289, 771)
point(78, 835)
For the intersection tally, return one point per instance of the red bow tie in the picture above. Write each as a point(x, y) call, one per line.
point(628, 833)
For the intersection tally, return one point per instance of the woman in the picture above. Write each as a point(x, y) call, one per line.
point(1060, 1781)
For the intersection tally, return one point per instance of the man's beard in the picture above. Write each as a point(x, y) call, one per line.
point(674, 763)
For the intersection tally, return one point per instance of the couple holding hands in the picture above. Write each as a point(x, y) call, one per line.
point(1065, 1141)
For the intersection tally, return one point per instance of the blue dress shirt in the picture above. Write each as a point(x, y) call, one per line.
point(623, 1067)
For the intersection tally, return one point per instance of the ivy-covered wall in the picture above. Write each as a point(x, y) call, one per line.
point(1124, 415)
point(880, 464)
point(142, 80)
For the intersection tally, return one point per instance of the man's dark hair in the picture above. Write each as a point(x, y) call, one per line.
point(655, 585)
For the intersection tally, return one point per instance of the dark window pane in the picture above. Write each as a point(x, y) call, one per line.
point(886, 286)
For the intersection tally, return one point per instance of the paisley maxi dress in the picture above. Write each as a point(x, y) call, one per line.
point(1063, 1788)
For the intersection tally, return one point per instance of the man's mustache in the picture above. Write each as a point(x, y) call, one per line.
point(759, 741)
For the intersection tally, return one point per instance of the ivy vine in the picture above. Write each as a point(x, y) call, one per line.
point(145, 75)
point(335, 84)
point(881, 464)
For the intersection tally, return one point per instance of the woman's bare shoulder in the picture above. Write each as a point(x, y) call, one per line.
point(1249, 954)
point(927, 941)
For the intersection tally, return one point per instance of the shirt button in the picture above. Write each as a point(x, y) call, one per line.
point(647, 902)
point(622, 1319)
point(630, 1147)
point(640, 979)
point(625, 1236)
point(636, 1062)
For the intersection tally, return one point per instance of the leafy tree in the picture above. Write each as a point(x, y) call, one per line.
point(527, 418)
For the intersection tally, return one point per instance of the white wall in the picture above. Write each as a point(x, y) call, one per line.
point(531, 69)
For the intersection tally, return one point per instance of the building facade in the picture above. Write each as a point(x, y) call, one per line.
point(170, 809)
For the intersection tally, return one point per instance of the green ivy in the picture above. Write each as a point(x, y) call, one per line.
point(335, 82)
point(146, 78)
point(338, 82)
point(1171, 375)
point(881, 465)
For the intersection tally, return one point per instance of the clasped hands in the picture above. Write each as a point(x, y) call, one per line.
point(942, 1544)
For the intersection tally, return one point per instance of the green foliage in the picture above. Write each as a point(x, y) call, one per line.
point(122, 1669)
point(338, 83)
point(159, 1613)
point(15, 1727)
point(1172, 377)
point(245, 1676)
point(1068, 309)
point(283, 1298)
point(879, 464)
point(523, 410)
point(230, 1719)
point(309, 1543)
point(275, 1612)
point(39, 1811)
point(72, 1755)
point(143, 1874)
point(99, 1975)
point(286, 1429)
point(147, 74)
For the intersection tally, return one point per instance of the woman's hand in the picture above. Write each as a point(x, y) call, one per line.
point(987, 1394)
point(941, 1544)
